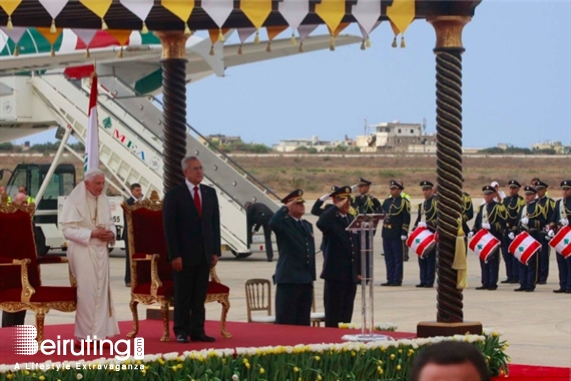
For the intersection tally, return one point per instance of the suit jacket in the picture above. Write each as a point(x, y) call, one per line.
point(341, 248)
point(296, 246)
point(189, 235)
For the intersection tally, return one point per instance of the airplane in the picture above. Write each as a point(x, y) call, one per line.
point(139, 62)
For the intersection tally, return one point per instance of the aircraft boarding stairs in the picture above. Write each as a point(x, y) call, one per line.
point(130, 140)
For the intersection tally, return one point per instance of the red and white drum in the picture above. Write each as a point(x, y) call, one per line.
point(562, 241)
point(421, 241)
point(484, 244)
point(523, 247)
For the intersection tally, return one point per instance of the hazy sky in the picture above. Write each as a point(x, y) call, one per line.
point(516, 83)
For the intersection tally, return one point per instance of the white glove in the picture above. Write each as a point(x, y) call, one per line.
point(470, 235)
point(422, 224)
point(486, 226)
point(324, 197)
point(403, 237)
point(511, 235)
point(354, 187)
point(564, 222)
point(524, 221)
point(551, 233)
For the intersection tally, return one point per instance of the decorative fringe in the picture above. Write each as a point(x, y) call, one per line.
point(212, 50)
point(300, 47)
point(87, 55)
point(9, 26)
point(52, 52)
point(394, 44)
point(368, 42)
point(103, 24)
point(240, 49)
point(292, 39)
point(402, 43)
point(269, 47)
point(144, 29)
point(120, 53)
point(460, 264)
point(257, 38)
point(221, 35)
point(53, 27)
point(187, 31)
point(16, 51)
point(332, 43)
point(363, 45)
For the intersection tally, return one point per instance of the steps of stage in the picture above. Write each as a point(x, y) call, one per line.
point(154, 313)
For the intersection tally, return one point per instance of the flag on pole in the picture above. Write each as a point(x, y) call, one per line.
point(91, 159)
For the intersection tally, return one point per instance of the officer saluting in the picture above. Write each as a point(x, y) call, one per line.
point(512, 203)
point(341, 254)
point(530, 219)
point(427, 218)
point(395, 232)
point(295, 270)
point(562, 217)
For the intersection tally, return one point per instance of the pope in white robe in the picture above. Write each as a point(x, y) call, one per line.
point(87, 225)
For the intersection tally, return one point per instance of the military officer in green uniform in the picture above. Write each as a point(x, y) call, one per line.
point(547, 205)
point(427, 218)
point(512, 203)
point(395, 232)
point(295, 270)
point(560, 218)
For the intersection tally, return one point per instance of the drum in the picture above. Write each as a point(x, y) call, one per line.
point(562, 241)
point(523, 247)
point(484, 244)
point(421, 241)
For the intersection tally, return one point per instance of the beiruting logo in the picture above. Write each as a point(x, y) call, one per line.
point(25, 344)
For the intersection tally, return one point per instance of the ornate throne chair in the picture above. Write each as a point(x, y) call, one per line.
point(151, 273)
point(21, 286)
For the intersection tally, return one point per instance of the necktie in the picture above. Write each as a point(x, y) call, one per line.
point(197, 201)
point(300, 223)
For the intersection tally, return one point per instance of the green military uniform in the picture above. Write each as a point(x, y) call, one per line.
point(427, 217)
point(512, 205)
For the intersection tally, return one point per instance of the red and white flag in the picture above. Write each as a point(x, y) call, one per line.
point(562, 241)
point(91, 159)
point(523, 247)
point(484, 244)
point(421, 241)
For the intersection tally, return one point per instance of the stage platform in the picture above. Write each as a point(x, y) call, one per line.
point(244, 335)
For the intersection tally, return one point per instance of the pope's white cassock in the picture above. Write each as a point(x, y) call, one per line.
point(89, 262)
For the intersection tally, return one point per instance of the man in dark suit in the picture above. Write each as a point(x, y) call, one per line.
point(191, 219)
point(259, 215)
point(341, 265)
point(295, 271)
point(136, 195)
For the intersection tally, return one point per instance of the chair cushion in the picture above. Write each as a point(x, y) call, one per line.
point(43, 294)
point(166, 290)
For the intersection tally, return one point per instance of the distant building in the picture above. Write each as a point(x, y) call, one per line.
point(223, 139)
point(554, 145)
point(291, 145)
point(397, 137)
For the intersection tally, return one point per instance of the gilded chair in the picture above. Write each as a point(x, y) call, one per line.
point(151, 273)
point(259, 298)
point(21, 286)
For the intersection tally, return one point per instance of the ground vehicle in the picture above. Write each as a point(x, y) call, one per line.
point(61, 183)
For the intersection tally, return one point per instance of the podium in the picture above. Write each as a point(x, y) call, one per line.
point(365, 225)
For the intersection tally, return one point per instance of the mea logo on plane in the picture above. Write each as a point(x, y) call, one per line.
point(25, 343)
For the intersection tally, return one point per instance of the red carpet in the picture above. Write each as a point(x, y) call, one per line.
point(244, 335)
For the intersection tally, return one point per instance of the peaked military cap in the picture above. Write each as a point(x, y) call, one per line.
point(396, 184)
point(488, 189)
point(566, 184)
point(514, 184)
point(529, 190)
point(342, 192)
point(363, 181)
point(426, 185)
point(296, 194)
point(334, 188)
point(541, 185)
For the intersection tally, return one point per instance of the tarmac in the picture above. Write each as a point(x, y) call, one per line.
point(537, 325)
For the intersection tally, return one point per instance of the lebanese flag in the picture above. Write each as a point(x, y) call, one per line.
point(484, 244)
point(91, 159)
point(562, 241)
point(421, 240)
point(523, 247)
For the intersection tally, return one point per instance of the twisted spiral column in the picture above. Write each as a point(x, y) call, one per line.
point(174, 106)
